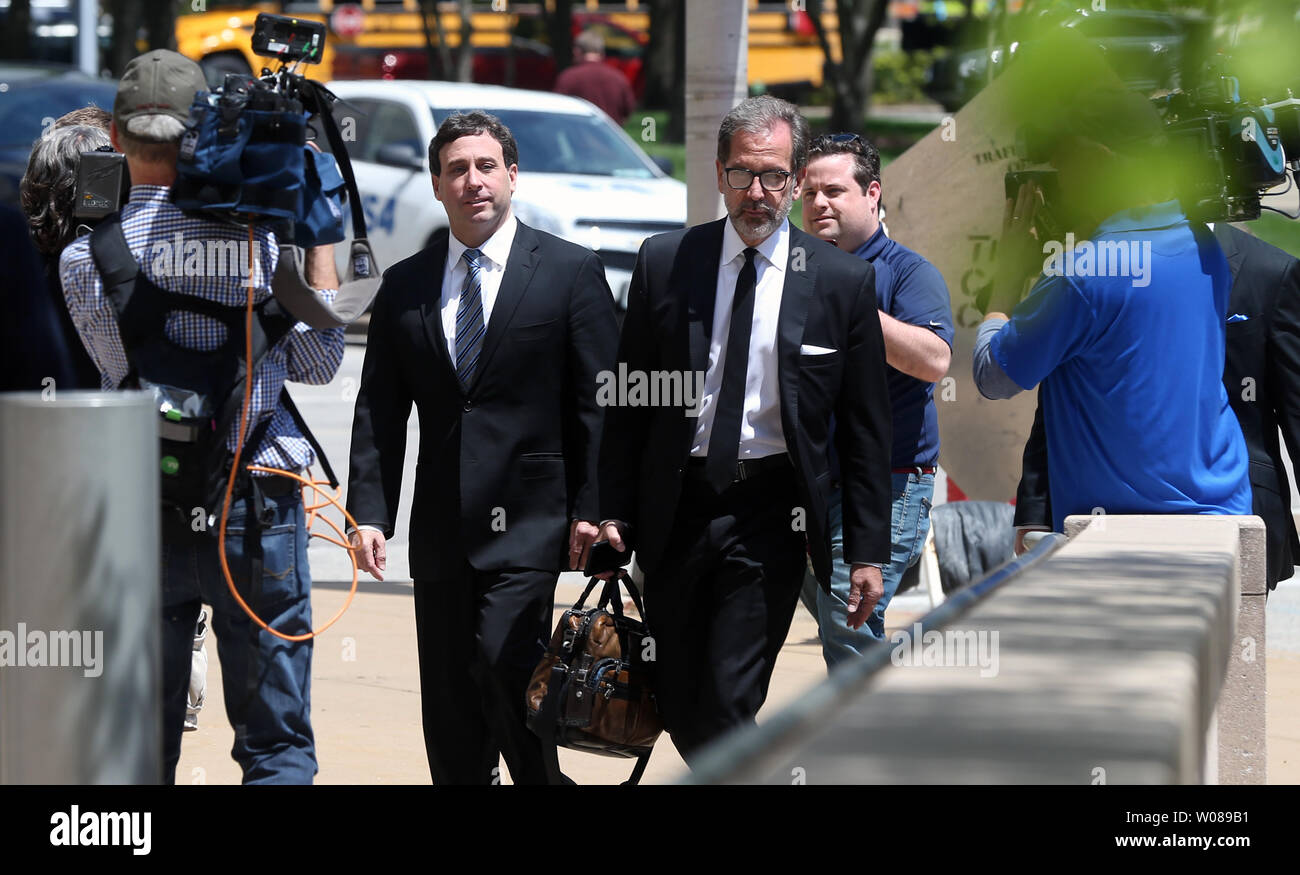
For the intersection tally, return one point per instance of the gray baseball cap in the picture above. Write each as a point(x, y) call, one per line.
point(161, 82)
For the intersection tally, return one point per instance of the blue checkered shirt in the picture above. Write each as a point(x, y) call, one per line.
point(155, 230)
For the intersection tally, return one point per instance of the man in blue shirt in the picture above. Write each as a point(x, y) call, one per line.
point(1124, 330)
point(841, 200)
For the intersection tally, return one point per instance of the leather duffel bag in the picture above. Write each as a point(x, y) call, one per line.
point(591, 690)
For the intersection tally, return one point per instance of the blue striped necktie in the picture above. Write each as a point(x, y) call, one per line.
point(469, 320)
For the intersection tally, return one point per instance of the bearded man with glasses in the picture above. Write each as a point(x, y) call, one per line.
point(724, 499)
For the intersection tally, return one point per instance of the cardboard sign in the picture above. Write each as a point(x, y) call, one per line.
point(944, 198)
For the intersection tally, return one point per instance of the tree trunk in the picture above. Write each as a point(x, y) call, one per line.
point(127, 18)
point(677, 105)
point(16, 40)
point(439, 64)
point(432, 46)
point(559, 33)
point(850, 77)
point(160, 21)
point(665, 65)
point(465, 54)
point(660, 54)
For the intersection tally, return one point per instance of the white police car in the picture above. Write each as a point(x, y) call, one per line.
point(580, 176)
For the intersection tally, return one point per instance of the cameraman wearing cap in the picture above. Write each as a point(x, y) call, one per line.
point(266, 680)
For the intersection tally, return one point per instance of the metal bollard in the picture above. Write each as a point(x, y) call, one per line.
point(80, 652)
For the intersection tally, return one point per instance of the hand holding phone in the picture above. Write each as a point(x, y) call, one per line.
point(605, 558)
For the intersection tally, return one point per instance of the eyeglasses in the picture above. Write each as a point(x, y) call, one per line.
point(772, 180)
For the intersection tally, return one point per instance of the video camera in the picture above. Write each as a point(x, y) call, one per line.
point(1226, 151)
point(102, 176)
point(244, 157)
point(1232, 150)
point(244, 154)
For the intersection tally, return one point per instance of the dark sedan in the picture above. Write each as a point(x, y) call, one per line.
point(32, 96)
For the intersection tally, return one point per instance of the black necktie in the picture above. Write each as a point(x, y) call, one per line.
point(724, 439)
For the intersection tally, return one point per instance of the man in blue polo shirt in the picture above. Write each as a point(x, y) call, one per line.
point(841, 200)
point(1125, 330)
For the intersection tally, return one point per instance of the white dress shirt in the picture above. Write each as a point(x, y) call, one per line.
point(760, 420)
point(491, 267)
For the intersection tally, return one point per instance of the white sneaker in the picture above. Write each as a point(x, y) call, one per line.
point(198, 674)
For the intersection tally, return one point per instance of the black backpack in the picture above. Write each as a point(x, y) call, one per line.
point(199, 394)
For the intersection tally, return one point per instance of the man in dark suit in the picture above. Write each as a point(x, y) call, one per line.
point(1262, 376)
point(497, 333)
point(724, 503)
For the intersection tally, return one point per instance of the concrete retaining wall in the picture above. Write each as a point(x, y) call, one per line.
point(1101, 663)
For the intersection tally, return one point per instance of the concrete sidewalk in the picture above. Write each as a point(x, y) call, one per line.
point(366, 697)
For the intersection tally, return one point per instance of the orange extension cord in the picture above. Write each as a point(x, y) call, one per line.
point(314, 484)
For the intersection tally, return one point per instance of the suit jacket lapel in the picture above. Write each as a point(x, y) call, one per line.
point(699, 264)
point(1230, 249)
point(800, 279)
point(431, 308)
point(520, 269)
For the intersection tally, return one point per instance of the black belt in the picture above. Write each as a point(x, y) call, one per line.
point(746, 469)
point(274, 486)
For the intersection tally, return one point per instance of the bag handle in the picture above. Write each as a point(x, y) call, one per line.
point(548, 715)
point(591, 584)
point(610, 593)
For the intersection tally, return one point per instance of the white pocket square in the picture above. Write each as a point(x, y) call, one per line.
point(815, 350)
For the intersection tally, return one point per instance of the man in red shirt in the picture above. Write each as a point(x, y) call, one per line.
point(592, 79)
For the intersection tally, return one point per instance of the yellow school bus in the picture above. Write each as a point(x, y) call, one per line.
point(392, 40)
point(220, 37)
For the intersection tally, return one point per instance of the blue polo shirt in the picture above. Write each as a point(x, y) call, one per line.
point(1136, 415)
point(912, 290)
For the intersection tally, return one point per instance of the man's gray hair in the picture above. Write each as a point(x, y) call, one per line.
point(154, 138)
point(759, 114)
point(155, 129)
point(49, 186)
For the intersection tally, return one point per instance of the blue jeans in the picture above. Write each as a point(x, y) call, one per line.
point(909, 525)
point(266, 680)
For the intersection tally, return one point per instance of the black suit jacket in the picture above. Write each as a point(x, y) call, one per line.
point(38, 341)
point(831, 303)
point(504, 467)
point(1262, 376)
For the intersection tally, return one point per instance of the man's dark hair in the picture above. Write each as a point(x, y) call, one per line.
point(866, 158)
point(760, 114)
point(470, 124)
